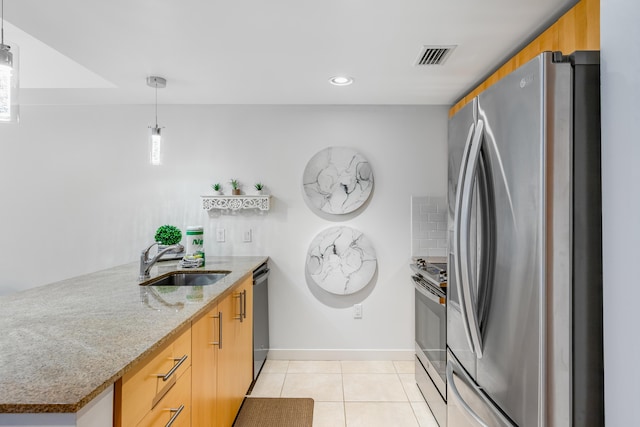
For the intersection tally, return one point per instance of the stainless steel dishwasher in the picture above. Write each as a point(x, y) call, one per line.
point(260, 317)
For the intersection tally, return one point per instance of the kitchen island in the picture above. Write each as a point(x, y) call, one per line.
point(64, 345)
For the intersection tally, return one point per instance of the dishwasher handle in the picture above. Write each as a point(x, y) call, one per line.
point(261, 276)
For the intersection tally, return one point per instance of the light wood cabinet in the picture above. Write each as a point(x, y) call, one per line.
point(578, 29)
point(227, 396)
point(212, 363)
point(205, 333)
point(223, 358)
point(176, 406)
point(235, 355)
point(244, 358)
point(140, 390)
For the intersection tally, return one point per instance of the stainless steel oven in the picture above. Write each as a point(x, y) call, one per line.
point(431, 336)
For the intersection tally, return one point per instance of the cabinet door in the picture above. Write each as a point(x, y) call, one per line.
point(244, 359)
point(227, 394)
point(205, 335)
point(142, 387)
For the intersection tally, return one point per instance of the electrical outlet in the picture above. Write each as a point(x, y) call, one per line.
point(246, 236)
point(357, 311)
point(220, 235)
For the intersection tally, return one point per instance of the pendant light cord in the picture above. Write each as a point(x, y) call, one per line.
point(2, 29)
point(156, 102)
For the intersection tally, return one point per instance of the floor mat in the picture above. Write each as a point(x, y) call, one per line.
point(275, 412)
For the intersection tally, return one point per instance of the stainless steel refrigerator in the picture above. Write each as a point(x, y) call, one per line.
point(524, 309)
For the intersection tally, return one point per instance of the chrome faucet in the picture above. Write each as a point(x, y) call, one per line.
point(146, 263)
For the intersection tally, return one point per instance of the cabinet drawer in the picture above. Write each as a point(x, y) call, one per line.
point(144, 386)
point(176, 405)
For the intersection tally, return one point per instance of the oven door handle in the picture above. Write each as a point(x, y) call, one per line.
point(427, 293)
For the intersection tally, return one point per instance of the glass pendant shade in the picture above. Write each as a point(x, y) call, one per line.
point(155, 150)
point(9, 85)
point(155, 141)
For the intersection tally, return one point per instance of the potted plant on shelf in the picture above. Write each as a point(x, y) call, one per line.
point(235, 187)
point(167, 235)
point(217, 189)
point(259, 187)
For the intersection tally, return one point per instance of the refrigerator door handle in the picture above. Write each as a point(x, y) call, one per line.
point(456, 233)
point(486, 413)
point(464, 239)
point(458, 398)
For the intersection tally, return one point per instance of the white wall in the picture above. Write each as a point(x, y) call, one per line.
point(620, 34)
point(78, 196)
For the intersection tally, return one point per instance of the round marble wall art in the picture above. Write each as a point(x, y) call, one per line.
point(337, 180)
point(341, 260)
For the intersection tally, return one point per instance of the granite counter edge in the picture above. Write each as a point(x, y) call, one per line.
point(61, 408)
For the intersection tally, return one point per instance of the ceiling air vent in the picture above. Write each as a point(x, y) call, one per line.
point(434, 55)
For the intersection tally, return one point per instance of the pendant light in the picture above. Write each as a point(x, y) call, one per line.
point(156, 136)
point(9, 106)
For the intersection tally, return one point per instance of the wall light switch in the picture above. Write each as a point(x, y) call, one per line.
point(246, 236)
point(357, 311)
point(220, 235)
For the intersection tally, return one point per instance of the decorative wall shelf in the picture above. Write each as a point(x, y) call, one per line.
point(236, 202)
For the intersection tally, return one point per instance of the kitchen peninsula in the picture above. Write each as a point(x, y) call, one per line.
point(65, 344)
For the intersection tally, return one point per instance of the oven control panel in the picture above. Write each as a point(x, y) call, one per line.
point(434, 273)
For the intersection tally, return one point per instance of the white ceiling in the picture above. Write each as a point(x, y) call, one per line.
point(262, 52)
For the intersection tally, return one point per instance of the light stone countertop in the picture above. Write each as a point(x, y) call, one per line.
point(64, 343)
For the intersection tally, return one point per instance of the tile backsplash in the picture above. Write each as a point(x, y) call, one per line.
point(429, 226)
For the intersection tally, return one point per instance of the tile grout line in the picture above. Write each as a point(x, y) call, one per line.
point(414, 414)
point(343, 391)
point(344, 404)
point(284, 380)
point(413, 411)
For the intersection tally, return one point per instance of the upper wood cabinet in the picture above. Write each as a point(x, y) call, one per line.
point(578, 29)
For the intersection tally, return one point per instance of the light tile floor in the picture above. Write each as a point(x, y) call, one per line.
point(350, 393)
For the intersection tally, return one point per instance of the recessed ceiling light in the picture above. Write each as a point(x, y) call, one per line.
point(341, 80)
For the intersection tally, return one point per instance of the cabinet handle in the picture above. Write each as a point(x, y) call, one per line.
point(166, 376)
point(175, 415)
point(219, 342)
point(239, 316)
point(244, 304)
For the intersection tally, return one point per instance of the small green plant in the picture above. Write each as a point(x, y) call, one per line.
point(259, 186)
point(216, 187)
point(235, 184)
point(168, 235)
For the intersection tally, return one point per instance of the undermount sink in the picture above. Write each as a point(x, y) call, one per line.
point(182, 278)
